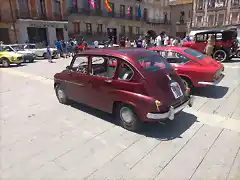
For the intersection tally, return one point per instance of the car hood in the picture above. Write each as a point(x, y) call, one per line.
point(25, 52)
point(187, 44)
point(14, 54)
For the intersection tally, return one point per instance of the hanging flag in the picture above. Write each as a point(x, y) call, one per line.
point(108, 6)
point(92, 3)
point(139, 11)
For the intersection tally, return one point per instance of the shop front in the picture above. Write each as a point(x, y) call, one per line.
point(44, 32)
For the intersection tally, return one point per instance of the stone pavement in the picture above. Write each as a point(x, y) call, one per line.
point(42, 139)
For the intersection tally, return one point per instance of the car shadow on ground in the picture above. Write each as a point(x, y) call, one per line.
point(214, 92)
point(13, 66)
point(232, 61)
point(168, 130)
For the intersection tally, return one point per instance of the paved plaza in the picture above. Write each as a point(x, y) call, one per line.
point(43, 139)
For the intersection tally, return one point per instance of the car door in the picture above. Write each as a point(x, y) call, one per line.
point(200, 42)
point(77, 79)
point(101, 82)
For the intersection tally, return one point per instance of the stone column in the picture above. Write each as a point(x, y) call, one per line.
point(205, 23)
point(227, 15)
point(51, 32)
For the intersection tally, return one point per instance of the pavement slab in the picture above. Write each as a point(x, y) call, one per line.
point(43, 139)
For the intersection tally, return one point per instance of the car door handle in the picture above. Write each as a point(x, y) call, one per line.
point(108, 80)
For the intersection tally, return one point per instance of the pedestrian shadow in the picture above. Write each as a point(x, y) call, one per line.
point(168, 130)
point(214, 92)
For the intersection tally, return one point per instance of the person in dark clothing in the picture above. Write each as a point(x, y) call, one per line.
point(139, 42)
point(122, 42)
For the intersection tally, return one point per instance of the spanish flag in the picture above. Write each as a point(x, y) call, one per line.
point(108, 6)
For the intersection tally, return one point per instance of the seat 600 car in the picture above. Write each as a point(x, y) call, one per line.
point(136, 85)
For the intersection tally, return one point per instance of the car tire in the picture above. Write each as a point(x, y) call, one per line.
point(238, 54)
point(187, 82)
point(5, 62)
point(128, 118)
point(45, 55)
point(61, 95)
point(19, 64)
point(221, 52)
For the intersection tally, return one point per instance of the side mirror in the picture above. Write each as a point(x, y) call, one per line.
point(68, 68)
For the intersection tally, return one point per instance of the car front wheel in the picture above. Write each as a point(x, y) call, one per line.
point(5, 62)
point(220, 55)
point(128, 118)
point(62, 97)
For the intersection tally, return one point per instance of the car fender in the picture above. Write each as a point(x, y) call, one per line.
point(134, 99)
point(186, 76)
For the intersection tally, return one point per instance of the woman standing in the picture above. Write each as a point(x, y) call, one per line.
point(210, 45)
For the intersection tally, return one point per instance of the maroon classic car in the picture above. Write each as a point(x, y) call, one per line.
point(136, 85)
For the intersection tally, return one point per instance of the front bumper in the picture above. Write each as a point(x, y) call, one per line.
point(172, 111)
point(28, 58)
point(212, 83)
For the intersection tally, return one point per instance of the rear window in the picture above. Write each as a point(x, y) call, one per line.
point(195, 53)
point(153, 63)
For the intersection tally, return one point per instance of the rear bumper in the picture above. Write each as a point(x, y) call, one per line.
point(172, 111)
point(214, 83)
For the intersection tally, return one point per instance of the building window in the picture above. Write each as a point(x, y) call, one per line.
point(99, 28)
point(210, 20)
point(130, 29)
point(123, 30)
point(165, 17)
point(130, 12)
point(122, 11)
point(145, 14)
point(76, 27)
point(89, 28)
point(23, 9)
point(57, 7)
point(235, 2)
point(182, 14)
point(200, 5)
point(138, 30)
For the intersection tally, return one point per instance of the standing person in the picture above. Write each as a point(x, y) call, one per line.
point(58, 46)
point(49, 54)
point(127, 43)
point(166, 39)
point(84, 44)
point(159, 41)
point(210, 45)
point(122, 42)
point(139, 42)
point(95, 44)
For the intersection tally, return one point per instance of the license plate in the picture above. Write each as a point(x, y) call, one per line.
point(176, 90)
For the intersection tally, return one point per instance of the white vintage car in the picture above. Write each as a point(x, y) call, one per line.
point(40, 52)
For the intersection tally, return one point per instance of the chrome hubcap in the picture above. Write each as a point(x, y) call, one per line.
point(220, 55)
point(5, 64)
point(127, 115)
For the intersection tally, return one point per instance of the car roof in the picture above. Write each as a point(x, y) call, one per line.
point(169, 48)
point(214, 30)
point(124, 53)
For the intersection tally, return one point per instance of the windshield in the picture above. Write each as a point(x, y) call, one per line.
point(153, 63)
point(195, 53)
point(18, 47)
point(31, 46)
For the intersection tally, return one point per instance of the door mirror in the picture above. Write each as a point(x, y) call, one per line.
point(68, 68)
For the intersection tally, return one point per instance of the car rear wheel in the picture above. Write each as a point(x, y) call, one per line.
point(187, 82)
point(128, 118)
point(5, 62)
point(62, 97)
point(220, 55)
point(238, 54)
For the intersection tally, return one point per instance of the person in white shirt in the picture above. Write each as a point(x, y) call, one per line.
point(159, 40)
point(95, 44)
point(166, 38)
point(127, 43)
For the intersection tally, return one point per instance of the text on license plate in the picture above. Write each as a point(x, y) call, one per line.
point(176, 90)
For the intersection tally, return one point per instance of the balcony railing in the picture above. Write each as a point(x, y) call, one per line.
point(25, 14)
point(158, 21)
point(101, 13)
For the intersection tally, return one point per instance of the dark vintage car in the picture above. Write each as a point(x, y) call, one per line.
point(226, 42)
point(136, 85)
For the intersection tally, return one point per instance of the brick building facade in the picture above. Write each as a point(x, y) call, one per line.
point(33, 21)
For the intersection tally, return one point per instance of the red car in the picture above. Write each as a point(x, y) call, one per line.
point(195, 68)
point(135, 84)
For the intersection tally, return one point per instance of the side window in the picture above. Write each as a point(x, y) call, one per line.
point(104, 66)
point(7, 48)
point(201, 37)
point(219, 37)
point(80, 64)
point(177, 58)
point(125, 72)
